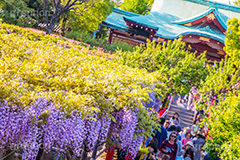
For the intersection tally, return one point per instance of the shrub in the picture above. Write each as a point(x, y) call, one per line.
point(99, 42)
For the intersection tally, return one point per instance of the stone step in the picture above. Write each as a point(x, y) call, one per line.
point(182, 116)
point(184, 120)
point(179, 108)
point(185, 114)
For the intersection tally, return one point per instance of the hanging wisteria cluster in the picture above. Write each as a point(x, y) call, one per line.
point(44, 124)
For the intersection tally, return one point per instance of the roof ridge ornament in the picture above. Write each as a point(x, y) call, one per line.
point(211, 17)
point(213, 6)
point(207, 28)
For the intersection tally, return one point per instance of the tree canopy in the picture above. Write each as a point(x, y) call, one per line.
point(174, 65)
point(16, 12)
point(57, 84)
point(137, 6)
point(89, 15)
point(72, 14)
point(222, 82)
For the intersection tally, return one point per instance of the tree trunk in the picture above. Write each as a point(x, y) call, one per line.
point(1, 154)
point(46, 156)
point(68, 155)
point(84, 153)
point(9, 155)
point(40, 152)
point(95, 149)
point(165, 101)
point(52, 24)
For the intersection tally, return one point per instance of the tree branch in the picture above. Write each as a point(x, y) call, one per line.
point(73, 3)
point(46, 13)
point(55, 5)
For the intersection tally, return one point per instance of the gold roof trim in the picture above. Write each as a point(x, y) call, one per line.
point(211, 17)
point(204, 39)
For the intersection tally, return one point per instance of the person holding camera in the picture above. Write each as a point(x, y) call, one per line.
point(153, 149)
point(175, 119)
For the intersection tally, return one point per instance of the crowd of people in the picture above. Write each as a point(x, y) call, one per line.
point(173, 143)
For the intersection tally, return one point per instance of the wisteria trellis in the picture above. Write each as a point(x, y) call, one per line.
point(42, 123)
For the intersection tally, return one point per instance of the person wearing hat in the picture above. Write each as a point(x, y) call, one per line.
point(189, 155)
point(189, 144)
point(198, 143)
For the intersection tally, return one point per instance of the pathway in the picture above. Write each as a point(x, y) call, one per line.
point(186, 116)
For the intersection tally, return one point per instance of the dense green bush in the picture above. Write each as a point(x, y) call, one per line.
point(98, 42)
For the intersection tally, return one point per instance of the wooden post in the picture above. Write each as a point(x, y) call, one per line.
point(45, 155)
point(110, 36)
point(151, 37)
point(84, 153)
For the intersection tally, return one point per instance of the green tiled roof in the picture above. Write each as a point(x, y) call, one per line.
point(167, 18)
point(115, 20)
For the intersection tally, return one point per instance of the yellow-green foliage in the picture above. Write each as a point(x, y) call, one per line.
point(232, 47)
point(172, 63)
point(34, 65)
point(224, 119)
point(224, 128)
point(137, 6)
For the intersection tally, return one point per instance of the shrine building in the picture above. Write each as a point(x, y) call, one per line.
point(201, 23)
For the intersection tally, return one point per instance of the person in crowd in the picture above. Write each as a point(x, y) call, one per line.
point(189, 144)
point(191, 97)
point(189, 154)
point(175, 119)
point(166, 124)
point(179, 143)
point(170, 130)
point(198, 143)
point(203, 131)
point(169, 147)
point(181, 100)
point(199, 115)
point(161, 135)
point(144, 149)
point(186, 139)
point(195, 127)
point(185, 131)
point(178, 128)
point(161, 112)
point(152, 149)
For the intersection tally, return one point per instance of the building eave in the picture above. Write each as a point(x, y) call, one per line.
point(229, 7)
point(204, 14)
point(192, 33)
